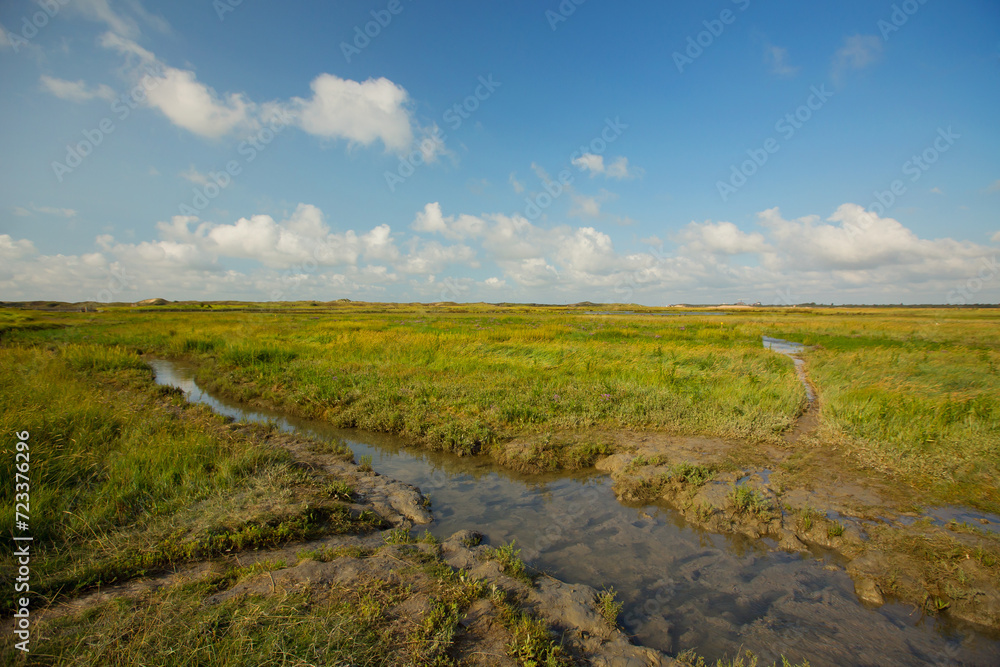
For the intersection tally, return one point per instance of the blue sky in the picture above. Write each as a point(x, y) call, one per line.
point(641, 152)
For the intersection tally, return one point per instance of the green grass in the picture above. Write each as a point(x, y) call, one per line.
point(510, 561)
point(909, 393)
point(749, 501)
point(123, 480)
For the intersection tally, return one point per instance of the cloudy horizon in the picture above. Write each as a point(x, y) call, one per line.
point(515, 153)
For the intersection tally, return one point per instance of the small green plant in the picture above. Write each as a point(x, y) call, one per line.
point(807, 519)
point(608, 606)
point(835, 529)
point(532, 645)
point(747, 500)
point(510, 561)
point(366, 463)
point(427, 538)
point(472, 540)
point(689, 473)
point(336, 447)
point(397, 536)
point(340, 490)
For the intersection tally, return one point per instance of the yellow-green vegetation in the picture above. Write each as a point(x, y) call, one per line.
point(509, 560)
point(747, 500)
point(126, 479)
point(912, 393)
point(744, 659)
point(609, 606)
point(367, 621)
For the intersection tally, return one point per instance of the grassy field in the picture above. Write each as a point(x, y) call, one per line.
point(127, 479)
point(909, 393)
point(119, 485)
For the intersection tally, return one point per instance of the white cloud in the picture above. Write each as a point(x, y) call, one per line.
point(777, 58)
point(119, 22)
point(618, 170)
point(76, 91)
point(936, 191)
point(4, 39)
point(995, 186)
point(192, 175)
point(179, 95)
point(516, 184)
point(590, 162)
point(196, 107)
point(589, 206)
point(850, 256)
point(719, 238)
point(857, 52)
point(432, 221)
point(11, 249)
point(45, 210)
point(359, 112)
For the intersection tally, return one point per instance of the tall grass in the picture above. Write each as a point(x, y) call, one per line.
point(119, 483)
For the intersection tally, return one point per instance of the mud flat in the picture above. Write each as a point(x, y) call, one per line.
point(713, 559)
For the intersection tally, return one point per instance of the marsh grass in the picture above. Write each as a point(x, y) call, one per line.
point(747, 500)
point(125, 480)
point(910, 393)
point(364, 622)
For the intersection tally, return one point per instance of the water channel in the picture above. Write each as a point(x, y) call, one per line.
point(682, 587)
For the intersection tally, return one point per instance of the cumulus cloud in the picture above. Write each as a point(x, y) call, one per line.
point(852, 255)
point(361, 112)
point(432, 221)
point(723, 238)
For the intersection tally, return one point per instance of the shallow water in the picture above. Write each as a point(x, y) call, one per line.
point(790, 349)
point(682, 587)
